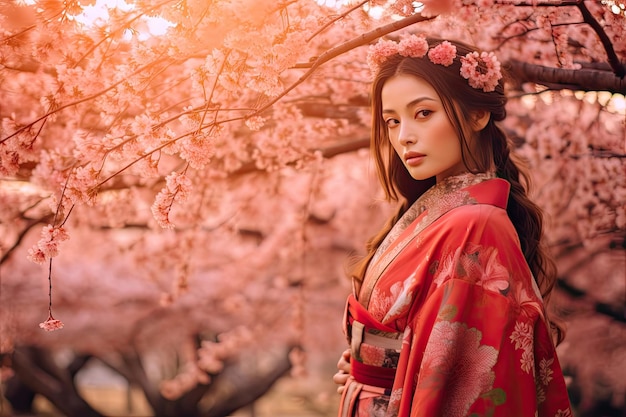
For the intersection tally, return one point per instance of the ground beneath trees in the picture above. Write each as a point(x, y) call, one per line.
point(288, 398)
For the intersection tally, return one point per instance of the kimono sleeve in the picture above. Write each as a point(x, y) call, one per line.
point(480, 344)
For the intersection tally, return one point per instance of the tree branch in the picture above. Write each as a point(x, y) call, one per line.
point(616, 312)
point(361, 40)
point(20, 237)
point(137, 374)
point(616, 65)
point(251, 382)
point(336, 19)
point(560, 78)
point(327, 152)
point(53, 383)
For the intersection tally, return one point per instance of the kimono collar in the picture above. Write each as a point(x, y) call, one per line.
point(450, 193)
point(450, 185)
point(441, 196)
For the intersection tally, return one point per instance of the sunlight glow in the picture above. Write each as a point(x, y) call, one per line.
point(97, 15)
point(616, 7)
point(22, 187)
point(375, 12)
point(617, 104)
point(157, 25)
point(335, 3)
point(611, 102)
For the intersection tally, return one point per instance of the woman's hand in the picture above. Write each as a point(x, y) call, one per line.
point(343, 373)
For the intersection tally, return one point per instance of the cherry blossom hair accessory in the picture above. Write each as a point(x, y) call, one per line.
point(481, 70)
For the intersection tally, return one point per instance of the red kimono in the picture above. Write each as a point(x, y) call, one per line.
point(449, 321)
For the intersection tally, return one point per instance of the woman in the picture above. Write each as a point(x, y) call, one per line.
point(447, 317)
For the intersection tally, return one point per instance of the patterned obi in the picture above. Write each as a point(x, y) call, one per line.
point(375, 348)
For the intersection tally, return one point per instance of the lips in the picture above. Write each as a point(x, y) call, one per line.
point(413, 158)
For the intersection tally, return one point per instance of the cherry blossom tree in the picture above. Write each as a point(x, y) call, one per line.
point(193, 178)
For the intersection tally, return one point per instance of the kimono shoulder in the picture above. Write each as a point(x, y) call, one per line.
point(479, 344)
point(478, 223)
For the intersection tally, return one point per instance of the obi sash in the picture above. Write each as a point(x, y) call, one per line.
point(361, 329)
point(365, 379)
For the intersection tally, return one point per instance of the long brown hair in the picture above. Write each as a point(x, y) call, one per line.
point(460, 101)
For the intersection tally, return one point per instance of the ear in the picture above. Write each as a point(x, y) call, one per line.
point(480, 118)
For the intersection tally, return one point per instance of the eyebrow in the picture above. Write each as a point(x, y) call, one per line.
point(411, 103)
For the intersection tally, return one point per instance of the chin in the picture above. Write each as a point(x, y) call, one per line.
point(420, 175)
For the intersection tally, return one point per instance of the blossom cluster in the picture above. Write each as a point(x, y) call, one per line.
point(51, 324)
point(19, 149)
point(210, 361)
point(485, 77)
point(48, 245)
point(188, 378)
point(481, 70)
point(177, 188)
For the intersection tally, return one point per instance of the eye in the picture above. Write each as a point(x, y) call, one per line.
point(392, 122)
point(421, 114)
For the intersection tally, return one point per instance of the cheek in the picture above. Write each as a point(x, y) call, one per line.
point(447, 131)
point(395, 144)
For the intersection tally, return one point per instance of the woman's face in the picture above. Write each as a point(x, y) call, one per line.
point(419, 128)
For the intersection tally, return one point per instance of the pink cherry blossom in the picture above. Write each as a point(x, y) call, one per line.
point(198, 148)
point(48, 245)
point(485, 76)
point(177, 188)
point(255, 123)
point(438, 7)
point(403, 7)
point(380, 51)
point(414, 46)
point(51, 324)
point(443, 54)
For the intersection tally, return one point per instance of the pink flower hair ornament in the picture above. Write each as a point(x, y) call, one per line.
point(481, 70)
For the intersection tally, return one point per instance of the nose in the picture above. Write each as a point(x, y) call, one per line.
point(406, 135)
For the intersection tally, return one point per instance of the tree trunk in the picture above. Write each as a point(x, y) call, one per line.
point(250, 384)
point(37, 369)
point(19, 395)
point(240, 384)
